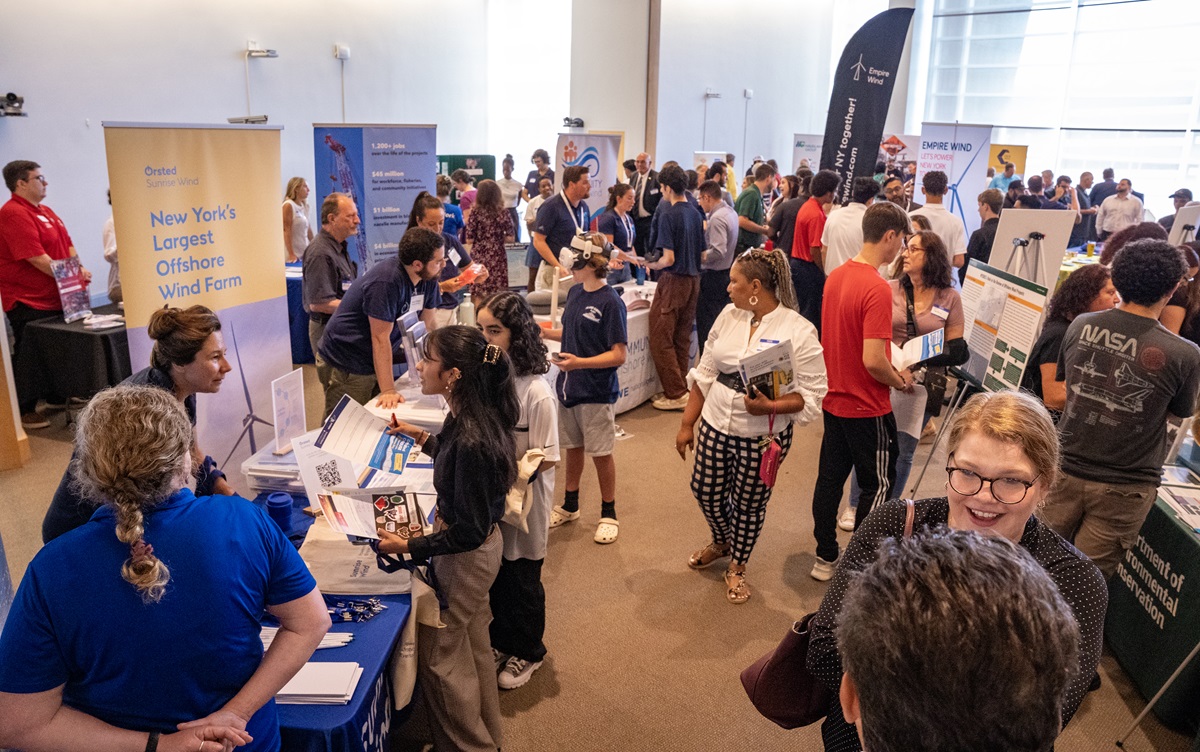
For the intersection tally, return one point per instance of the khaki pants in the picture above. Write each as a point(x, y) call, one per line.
point(361, 388)
point(316, 329)
point(1101, 519)
point(455, 664)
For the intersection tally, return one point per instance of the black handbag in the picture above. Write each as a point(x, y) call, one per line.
point(935, 380)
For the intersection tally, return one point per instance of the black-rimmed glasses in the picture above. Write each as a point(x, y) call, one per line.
point(1004, 490)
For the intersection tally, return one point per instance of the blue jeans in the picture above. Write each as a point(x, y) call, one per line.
point(904, 460)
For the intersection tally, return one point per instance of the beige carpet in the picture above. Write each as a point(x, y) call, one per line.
point(644, 652)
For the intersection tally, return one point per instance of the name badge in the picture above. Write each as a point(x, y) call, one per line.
point(941, 313)
point(456, 257)
point(653, 191)
point(346, 284)
point(763, 344)
point(417, 303)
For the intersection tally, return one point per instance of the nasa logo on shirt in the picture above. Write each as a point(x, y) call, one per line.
point(592, 313)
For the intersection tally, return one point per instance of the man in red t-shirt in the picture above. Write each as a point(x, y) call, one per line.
point(808, 276)
point(860, 430)
point(31, 236)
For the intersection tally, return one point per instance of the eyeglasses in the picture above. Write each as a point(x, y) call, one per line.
point(40, 178)
point(910, 249)
point(1004, 490)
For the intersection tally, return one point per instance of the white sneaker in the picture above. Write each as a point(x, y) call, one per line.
point(823, 570)
point(517, 672)
point(666, 403)
point(501, 659)
point(846, 521)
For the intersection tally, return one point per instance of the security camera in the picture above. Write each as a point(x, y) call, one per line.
point(570, 122)
point(13, 105)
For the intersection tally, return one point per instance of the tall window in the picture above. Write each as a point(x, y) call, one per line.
point(1086, 84)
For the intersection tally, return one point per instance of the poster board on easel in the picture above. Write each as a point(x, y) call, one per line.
point(1187, 220)
point(1030, 243)
point(1002, 320)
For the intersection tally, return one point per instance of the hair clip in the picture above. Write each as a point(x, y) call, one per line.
point(141, 551)
point(491, 355)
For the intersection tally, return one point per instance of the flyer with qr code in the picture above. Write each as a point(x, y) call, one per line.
point(353, 432)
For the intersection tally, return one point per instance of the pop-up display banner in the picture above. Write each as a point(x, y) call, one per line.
point(197, 210)
point(598, 153)
point(806, 151)
point(960, 151)
point(383, 168)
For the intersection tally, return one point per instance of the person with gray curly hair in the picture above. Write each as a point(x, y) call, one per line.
point(953, 640)
point(142, 627)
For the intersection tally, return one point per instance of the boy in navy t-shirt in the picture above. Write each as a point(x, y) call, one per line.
point(593, 337)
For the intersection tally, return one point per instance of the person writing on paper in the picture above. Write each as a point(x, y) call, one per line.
point(474, 465)
point(725, 477)
point(297, 233)
point(517, 597)
point(358, 339)
point(428, 212)
point(1087, 290)
point(1003, 455)
point(188, 358)
point(142, 628)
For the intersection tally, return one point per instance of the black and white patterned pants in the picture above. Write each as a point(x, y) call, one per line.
point(726, 484)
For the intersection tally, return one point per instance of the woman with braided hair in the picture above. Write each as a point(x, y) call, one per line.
point(735, 420)
point(141, 629)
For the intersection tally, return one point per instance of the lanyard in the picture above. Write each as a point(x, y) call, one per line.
point(574, 217)
point(627, 223)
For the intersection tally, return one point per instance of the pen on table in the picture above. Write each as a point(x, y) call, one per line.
point(395, 423)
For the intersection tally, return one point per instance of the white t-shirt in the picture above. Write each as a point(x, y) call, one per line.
point(843, 234)
point(510, 190)
point(537, 426)
point(948, 227)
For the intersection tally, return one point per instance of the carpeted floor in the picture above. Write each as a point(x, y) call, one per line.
point(644, 652)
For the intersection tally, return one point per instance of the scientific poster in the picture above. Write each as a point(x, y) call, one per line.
point(197, 212)
point(383, 168)
point(1003, 318)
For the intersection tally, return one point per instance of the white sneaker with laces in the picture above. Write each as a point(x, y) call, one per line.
point(517, 672)
point(846, 521)
point(823, 570)
point(666, 403)
point(501, 659)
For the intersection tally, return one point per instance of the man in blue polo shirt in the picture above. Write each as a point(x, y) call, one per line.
point(562, 216)
point(358, 339)
point(673, 312)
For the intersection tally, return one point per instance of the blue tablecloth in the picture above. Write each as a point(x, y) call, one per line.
point(362, 724)
point(298, 319)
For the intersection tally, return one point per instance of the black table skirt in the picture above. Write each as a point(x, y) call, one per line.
point(76, 361)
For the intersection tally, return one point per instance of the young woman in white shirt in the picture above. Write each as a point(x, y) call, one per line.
point(297, 232)
point(510, 192)
point(725, 477)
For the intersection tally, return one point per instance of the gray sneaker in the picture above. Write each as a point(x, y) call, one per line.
point(501, 659)
point(517, 672)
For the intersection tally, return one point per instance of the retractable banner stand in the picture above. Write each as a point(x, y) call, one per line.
point(960, 151)
point(862, 90)
point(197, 210)
point(598, 153)
point(383, 168)
point(806, 151)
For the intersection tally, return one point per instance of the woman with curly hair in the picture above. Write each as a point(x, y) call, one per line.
point(1087, 290)
point(1183, 306)
point(1127, 235)
point(518, 598)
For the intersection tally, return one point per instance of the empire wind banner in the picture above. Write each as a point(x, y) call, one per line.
point(862, 90)
point(197, 210)
point(596, 152)
point(960, 151)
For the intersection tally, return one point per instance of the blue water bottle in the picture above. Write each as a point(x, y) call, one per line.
point(640, 273)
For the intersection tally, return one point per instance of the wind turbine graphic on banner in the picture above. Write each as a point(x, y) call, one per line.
point(250, 419)
point(858, 68)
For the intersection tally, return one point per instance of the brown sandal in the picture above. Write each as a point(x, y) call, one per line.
point(708, 556)
point(738, 591)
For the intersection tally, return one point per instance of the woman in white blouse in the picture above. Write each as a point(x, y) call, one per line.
point(510, 191)
point(733, 424)
point(297, 233)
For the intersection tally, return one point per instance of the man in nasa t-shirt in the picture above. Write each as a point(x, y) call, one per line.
point(1125, 374)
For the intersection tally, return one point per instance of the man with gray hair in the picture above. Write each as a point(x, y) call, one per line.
point(328, 271)
point(953, 641)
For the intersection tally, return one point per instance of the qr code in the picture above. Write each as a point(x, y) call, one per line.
point(328, 475)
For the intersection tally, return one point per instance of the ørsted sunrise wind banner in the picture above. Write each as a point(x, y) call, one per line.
point(196, 208)
point(862, 90)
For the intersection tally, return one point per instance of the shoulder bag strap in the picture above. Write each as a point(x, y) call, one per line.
point(909, 514)
point(910, 325)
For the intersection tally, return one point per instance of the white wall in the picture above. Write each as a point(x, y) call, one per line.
point(127, 60)
point(608, 67)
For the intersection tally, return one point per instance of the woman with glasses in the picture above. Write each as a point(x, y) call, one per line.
point(1003, 459)
point(541, 171)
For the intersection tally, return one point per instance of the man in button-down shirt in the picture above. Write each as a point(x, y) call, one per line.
point(1119, 211)
point(328, 270)
point(31, 236)
point(720, 239)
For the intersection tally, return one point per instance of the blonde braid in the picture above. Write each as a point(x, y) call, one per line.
point(142, 569)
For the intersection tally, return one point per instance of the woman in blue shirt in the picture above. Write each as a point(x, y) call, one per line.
point(617, 226)
point(541, 163)
point(142, 628)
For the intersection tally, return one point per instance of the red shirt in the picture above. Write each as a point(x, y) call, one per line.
point(810, 224)
point(28, 231)
point(857, 306)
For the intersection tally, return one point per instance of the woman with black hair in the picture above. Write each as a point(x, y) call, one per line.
point(541, 171)
point(518, 598)
point(474, 465)
point(1088, 289)
point(429, 212)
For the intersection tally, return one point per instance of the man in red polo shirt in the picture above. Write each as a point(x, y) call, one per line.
point(31, 236)
point(808, 276)
point(860, 430)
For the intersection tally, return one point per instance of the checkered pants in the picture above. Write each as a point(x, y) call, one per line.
point(726, 484)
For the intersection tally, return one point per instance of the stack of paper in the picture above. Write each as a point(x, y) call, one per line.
point(329, 640)
point(105, 321)
point(321, 684)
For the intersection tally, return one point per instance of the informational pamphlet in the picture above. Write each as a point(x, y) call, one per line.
point(352, 432)
point(363, 513)
point(770, 370)
point(918, 349)
point(68, 275)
